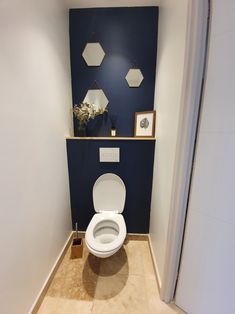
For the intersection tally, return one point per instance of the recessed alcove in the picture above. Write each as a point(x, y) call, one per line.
point(121, 32)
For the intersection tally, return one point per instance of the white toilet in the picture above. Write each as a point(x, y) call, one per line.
point(106, 231)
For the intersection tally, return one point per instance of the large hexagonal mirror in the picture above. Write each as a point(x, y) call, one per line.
point(134, 77)
point(96, 97)
point(93, 54)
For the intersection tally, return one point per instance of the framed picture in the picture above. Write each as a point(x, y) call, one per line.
point(145, 124)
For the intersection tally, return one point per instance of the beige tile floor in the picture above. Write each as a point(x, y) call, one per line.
point(124, 283)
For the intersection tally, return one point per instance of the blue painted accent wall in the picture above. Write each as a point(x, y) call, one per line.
point(135, 169)
point(128, 36)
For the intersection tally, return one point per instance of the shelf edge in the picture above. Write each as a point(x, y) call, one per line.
point(115, 138)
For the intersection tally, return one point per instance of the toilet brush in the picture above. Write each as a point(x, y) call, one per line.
point(77, 245)
point(76, 240)
point(76, 227)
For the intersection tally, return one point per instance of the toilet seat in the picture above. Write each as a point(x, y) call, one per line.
point(112, 221)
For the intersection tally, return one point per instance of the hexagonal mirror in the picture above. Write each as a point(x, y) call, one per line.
point(96, 97)
point(134, 77)
point(93, 54)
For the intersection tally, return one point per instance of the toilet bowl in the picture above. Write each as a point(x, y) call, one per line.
point(106, 231)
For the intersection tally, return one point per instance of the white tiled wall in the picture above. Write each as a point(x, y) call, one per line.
point(207, 277)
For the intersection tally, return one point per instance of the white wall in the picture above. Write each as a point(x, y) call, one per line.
point(169, 76)
point(35, 97)
point(207, 277)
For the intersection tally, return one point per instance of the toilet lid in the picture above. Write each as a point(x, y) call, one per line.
point(109, 193)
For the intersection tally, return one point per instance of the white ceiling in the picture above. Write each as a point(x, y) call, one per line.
point(110, 3)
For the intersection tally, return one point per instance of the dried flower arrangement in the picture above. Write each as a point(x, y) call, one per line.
point(84, 112)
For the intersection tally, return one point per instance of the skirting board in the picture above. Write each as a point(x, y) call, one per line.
point(50, 277)
point(155, 263)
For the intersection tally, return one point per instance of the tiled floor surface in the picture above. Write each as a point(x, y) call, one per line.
point(124, 283)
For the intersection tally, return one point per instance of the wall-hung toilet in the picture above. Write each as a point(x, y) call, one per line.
point(106, 231)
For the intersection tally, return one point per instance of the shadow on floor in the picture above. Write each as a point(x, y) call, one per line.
point(112, 274)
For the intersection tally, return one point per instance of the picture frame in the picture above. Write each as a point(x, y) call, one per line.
point(145, 124)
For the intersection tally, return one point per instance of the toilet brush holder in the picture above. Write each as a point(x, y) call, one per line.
point(77, 246)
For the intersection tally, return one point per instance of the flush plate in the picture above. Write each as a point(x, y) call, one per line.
point(109, 154)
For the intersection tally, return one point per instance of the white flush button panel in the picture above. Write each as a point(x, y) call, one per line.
point(109, 154)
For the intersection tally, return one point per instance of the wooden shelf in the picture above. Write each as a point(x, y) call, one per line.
point(114, 138)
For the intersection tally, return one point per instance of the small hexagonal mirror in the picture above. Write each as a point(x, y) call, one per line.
point(93, 54)
point(134, 77)
point(96, 97)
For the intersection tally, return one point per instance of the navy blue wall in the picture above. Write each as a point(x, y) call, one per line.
point(135, 169)
point(128, 36)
